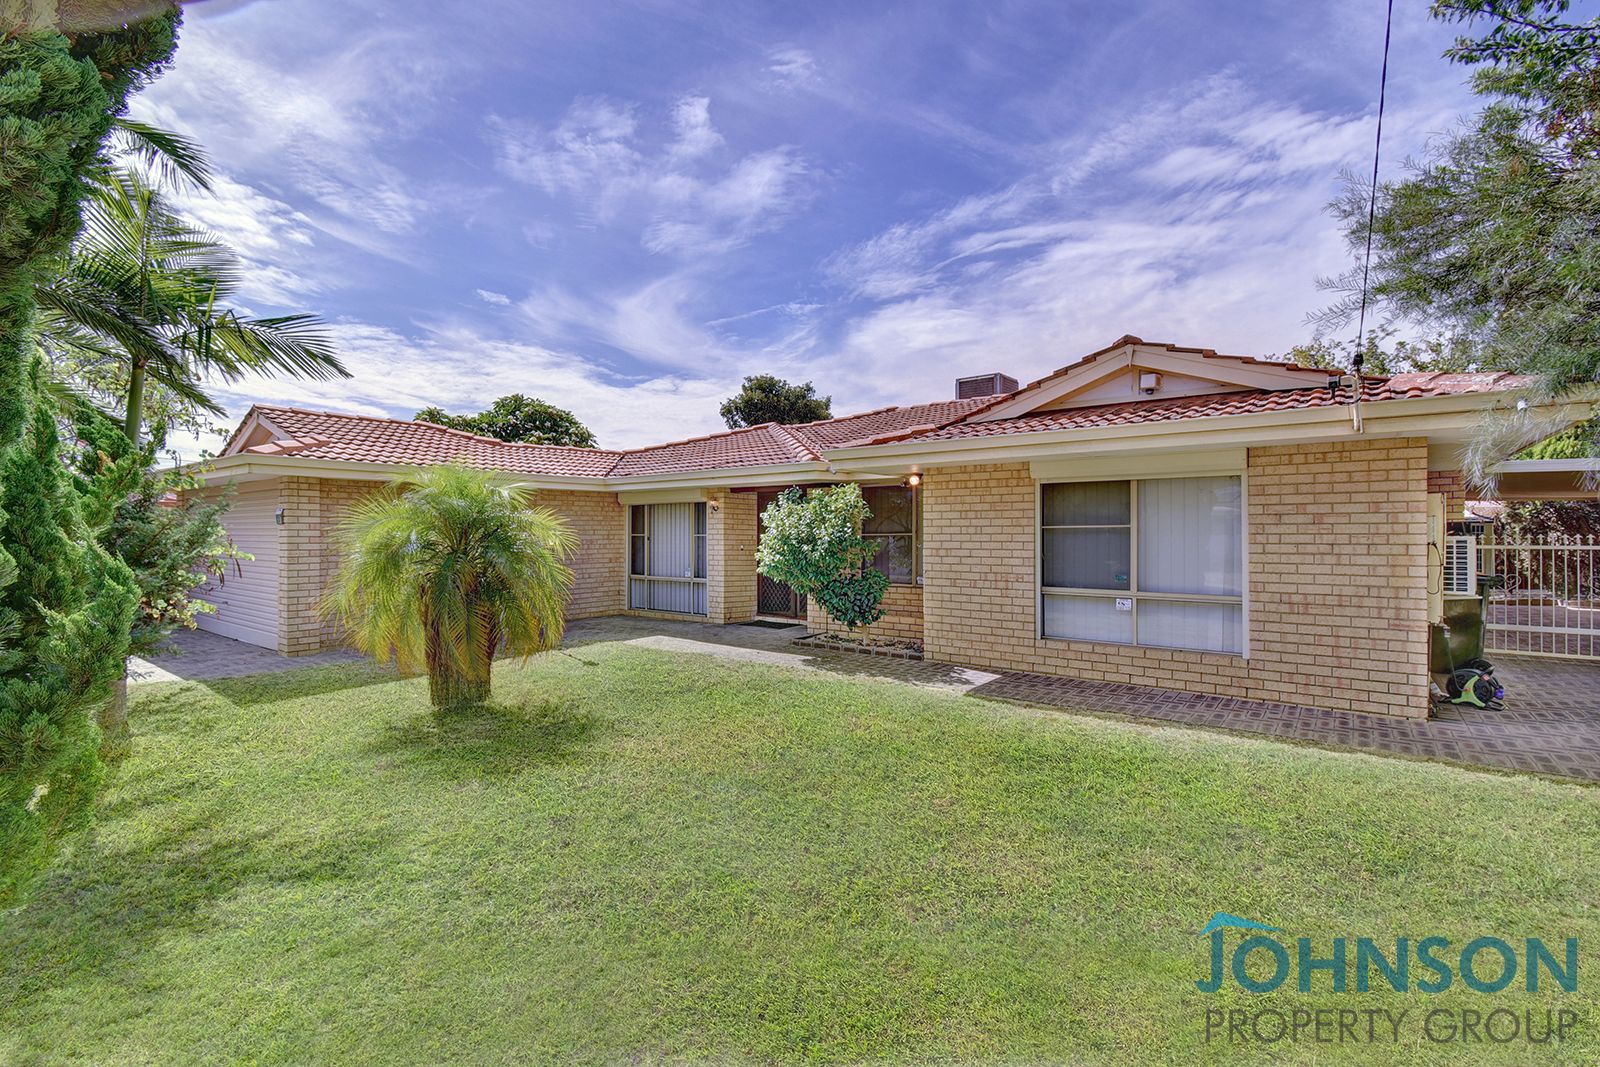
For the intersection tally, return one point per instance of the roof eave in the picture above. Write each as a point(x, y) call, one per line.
point(1422, 416)
point(243, 465)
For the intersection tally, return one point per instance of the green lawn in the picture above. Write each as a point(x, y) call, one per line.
point(641, 856)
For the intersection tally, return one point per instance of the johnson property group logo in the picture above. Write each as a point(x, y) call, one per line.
point(1264, 960)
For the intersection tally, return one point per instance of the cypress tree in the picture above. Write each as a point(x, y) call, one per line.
point(65, 606)
point(65, 616)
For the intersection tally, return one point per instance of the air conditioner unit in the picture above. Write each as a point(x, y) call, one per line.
point(1460, 566)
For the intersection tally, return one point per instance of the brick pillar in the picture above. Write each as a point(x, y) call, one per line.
point(300, 567)
point(730, 556)
point(1454, 488)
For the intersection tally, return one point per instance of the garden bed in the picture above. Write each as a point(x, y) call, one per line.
point(895, 647)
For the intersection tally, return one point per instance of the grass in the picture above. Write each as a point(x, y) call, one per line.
point(636, 855)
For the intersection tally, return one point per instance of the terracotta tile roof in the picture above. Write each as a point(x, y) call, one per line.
point(366, 439)
point(848, 429)
point(1251, 402)
point(767, 445)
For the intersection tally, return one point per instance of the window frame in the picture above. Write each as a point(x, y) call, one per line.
point(915, 533)
point(1041, 591)
point(699, 555)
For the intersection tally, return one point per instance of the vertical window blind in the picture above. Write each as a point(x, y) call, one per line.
point(667, 557)
point(1156, 561)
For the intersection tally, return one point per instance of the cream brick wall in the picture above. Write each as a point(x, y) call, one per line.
point(902, 616)
point(1337, 582)
point(730, 556)
point(309, 554)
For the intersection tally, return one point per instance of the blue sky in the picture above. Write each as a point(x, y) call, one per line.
point(623, 209)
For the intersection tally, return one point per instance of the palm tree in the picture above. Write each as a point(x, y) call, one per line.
point(142, 301)
point(446, 568)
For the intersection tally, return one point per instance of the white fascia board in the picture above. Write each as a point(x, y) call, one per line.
point(1227, 371)
point(722, 478)
point(241, 466)
point(1396, 418)
point(1070, 381)
point(1550, 466)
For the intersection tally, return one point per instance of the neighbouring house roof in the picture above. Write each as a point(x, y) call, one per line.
point(287, 435)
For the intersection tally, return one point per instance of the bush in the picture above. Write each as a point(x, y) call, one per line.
point(812, 543)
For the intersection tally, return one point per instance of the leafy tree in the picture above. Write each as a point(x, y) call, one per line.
point(445, 569)
point(142, 302)
point(166, 538)
point(1382, 354)
point(812, 543)
point(766, 398)
point(1494, 238)
point(1569, 444)
point(1541, 521)
point(518, 418)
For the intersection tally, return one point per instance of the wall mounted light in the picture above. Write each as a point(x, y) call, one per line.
point(913, 480)
point(277, 517)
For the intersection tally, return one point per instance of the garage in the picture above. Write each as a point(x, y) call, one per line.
point(247, 595)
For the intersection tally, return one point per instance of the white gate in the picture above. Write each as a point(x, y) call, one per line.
point(1550, 604)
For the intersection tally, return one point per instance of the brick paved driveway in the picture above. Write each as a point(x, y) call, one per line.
point(1551, 723)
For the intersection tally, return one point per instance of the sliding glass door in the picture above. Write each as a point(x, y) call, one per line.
point(667, 558)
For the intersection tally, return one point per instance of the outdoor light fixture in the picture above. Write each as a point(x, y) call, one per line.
point(277, 517)
point(913, 480)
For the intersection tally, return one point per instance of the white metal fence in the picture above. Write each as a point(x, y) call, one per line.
point(1550, 604)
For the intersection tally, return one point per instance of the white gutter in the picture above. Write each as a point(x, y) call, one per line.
point(1459, 412)
point(245, 465)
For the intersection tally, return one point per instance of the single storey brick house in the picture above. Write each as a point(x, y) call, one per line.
point(1151, 514)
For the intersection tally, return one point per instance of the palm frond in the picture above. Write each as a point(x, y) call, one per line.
point(449, 567)
point(175, 158)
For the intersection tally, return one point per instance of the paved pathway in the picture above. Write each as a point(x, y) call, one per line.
point(195, 655)
point(1551, 724)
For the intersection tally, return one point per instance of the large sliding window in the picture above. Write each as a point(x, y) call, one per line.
point(893, 526)
point(1158, 561)
point(667, 557)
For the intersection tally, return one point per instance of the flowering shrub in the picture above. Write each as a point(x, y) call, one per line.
point(812, 543)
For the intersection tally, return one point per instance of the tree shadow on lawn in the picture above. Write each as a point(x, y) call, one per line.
point(118, 897)
point(492, 740)
point(271, 687)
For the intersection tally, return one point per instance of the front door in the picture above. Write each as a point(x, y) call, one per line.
point(773, 597)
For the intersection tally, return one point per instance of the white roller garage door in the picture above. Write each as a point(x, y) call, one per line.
point(247, 597)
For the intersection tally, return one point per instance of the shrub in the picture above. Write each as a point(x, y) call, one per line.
point(812, 543)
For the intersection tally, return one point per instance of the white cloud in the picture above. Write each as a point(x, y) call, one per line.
point(1204, 228)
point(461, 370)
point(792, 67)
point(696, 136)
point(600, 159)
point(320, 119)
point(489, 296)
point(272, 239)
